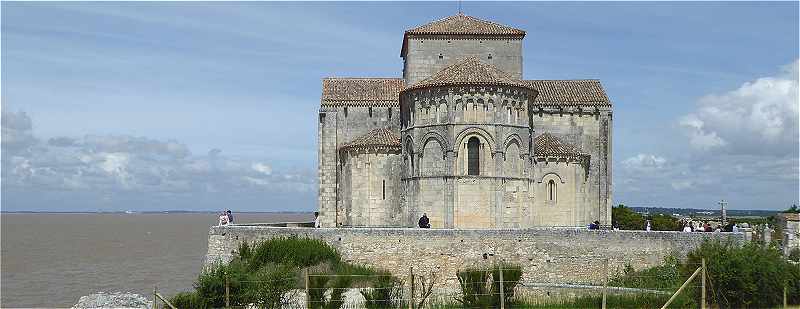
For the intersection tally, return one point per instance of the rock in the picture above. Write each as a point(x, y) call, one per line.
point(115, 300)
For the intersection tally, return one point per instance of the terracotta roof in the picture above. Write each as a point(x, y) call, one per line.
point(469, 71)
point(361, 91)
point(569, 92)
point(461, 24)
point(378, 138)
point(547, 145)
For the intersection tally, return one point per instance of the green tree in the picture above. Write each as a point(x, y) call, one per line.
point(662, 222)
point(626, 218)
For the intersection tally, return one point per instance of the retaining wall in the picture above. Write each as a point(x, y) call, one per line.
point(547, 255)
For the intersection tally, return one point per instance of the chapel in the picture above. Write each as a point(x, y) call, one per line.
point(464, 138)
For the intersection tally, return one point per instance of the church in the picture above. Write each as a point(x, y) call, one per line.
point(464, 138)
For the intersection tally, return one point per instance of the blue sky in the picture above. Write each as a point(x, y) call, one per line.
point(175, 105)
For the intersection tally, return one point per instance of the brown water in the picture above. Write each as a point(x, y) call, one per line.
point(53, 259)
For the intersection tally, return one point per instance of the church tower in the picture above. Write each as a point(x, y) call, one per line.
point(429, 48)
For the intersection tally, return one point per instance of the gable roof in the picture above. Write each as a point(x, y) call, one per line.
point(569, 92)
point(547, 145)
point(469, 71)
point(361, 91)
point(381, 138)
point(461, 24)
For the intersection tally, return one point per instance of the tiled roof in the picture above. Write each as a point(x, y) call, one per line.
point(378, 138)
point(547, 145)
point(469, 71)
point(569, 92)
point(464, 25)
point(361, 91)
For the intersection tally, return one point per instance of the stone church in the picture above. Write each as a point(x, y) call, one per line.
point(464, 138)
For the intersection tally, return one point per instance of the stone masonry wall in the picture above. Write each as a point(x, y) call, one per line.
point(547, 255)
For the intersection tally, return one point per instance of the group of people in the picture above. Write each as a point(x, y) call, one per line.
point(697, 226)
point(225, 218)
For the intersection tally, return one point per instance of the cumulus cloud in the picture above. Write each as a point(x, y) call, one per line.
point(760, 117)
point(109, 164)
point(645, 162)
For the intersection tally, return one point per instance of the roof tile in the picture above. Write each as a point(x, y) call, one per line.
point(361, 91)
point(464, 25)
point(569, 92)
point(378, 138)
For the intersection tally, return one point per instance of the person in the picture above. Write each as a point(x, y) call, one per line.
point(424, 222)
point(648, 225)
point(594, 225)
point(223, 219)
point(615, 226)
point(706, 227)
point(687, 228)
point(735, 228)
point(230, 216)
point(316, 219)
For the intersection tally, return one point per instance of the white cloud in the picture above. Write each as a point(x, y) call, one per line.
point(645, 162)
point(760, 117)
point(113, 163)
point(262, 168)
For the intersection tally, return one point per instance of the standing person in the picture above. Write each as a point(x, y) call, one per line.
point(424, 222)
point(648, 225)
point(230, 216)
point(223, 219)
point(316, 219)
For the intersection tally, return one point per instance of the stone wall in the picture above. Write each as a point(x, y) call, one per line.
point(547, 255)
point(427, 55)
point(337, 126)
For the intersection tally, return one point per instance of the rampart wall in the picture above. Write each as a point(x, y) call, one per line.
point(547, 255)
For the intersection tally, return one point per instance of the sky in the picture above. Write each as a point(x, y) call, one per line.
point(204, 106)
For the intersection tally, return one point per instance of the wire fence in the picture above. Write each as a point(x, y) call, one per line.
point(496, 286)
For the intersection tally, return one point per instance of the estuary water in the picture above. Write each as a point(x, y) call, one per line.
point(51, 260)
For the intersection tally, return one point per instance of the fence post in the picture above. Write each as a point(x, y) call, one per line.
point(502, 290)
point(308, 295)
point(703, 286)
point(227, 292)
point(411, 297)
point(605, 284)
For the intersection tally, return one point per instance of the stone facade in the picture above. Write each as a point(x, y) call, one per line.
point(467, 126)
point(547, 255)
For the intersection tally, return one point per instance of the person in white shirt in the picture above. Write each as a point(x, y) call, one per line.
point(316, 219)
point(687, 228)
point(223, 219)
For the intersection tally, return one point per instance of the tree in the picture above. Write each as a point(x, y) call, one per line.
point(662, 222)
point(626, 218)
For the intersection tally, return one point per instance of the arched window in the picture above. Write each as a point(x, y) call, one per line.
point(473, 156)
point(551, 190)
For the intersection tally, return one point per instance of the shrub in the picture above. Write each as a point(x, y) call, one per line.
point(210, 285)
point(188, 300)
point(292, 251)
point(745, 276)
point(268, 287)
point(480, 287)
point(794, 255)
point(385, 292)
point(664, 277)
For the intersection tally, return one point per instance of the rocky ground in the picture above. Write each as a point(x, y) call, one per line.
point(115, 300)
